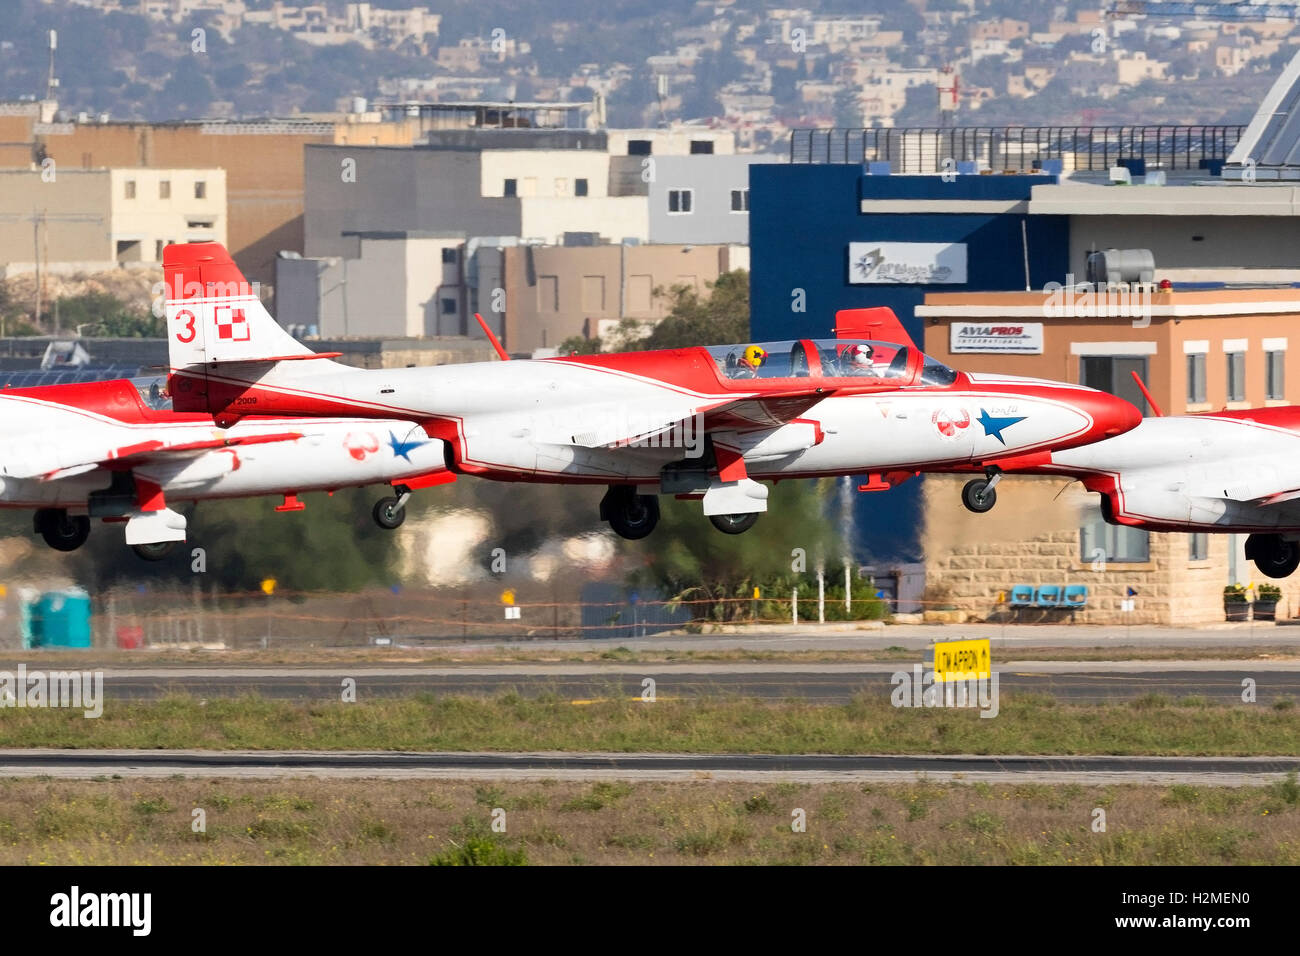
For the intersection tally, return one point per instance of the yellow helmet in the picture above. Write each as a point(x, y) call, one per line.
point(756, 355)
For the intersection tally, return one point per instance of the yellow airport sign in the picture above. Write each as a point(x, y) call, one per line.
point(961, 660)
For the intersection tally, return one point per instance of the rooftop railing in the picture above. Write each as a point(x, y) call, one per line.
point(924, 150)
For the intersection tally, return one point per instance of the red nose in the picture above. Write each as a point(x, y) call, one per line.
point(1113, 415)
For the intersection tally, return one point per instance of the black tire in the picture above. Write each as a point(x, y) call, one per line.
point(387, 515)
point(734, 524)
point(62, 531)
point(978, 497)
point(1273, 555)
point(154, 551)
point(633, 516)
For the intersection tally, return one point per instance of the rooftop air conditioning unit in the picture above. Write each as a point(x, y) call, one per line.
point(1115, 266)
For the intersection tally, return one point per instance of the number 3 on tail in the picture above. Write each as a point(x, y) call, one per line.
point(186, 336)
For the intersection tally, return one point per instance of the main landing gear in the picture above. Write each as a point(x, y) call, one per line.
point(1275, 556)
point(61, 531)
point(154, 551)
point(389, 513)
point(979, 495)
point(633, 516)
point(734, 524)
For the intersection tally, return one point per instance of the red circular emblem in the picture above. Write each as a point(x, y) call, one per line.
point(950, 423)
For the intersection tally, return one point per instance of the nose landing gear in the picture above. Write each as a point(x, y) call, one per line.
point(979, 495)
point(389, 513)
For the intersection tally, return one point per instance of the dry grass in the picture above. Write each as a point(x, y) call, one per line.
point(418, 822)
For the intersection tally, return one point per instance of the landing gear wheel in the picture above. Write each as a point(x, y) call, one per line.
point(978, 497)
point(62, 531)
point(1273, 555)
point(734, 524)
point(388, 514)
point(631, 515)
point(154, 551)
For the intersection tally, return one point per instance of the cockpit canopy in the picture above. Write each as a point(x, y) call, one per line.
point(859, 360)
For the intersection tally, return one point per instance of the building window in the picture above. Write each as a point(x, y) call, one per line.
point(511, 188)
point(1195, 379)
point(681, 201)
point(199, 223)
point(638, 147)
point(164, 189)
point(579, 187)
point(449, 255)
point(701, 147)
point(200, 190)
point(1276, 376)
point(1198, 546)
point(1117, 544)
point(740, 200)
point(448, 306)
point(1236, 376)
point(130, 189)
point(1113, 373)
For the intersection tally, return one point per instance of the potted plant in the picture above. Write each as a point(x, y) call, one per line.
point(1266, 598)
point(1235, 605)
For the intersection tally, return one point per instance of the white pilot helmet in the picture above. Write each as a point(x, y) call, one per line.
point(860, 356)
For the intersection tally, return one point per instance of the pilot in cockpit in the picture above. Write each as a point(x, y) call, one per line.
point(748, 364)
point(859, 360)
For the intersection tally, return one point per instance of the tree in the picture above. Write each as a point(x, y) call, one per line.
point(690, 560)
point(106, 315)
point(694, 320)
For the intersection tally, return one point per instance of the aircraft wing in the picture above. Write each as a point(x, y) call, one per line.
point(610, 427)
point(44, 462)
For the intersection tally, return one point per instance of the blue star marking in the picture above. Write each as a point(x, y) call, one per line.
point(403, 449)
point(994, 426)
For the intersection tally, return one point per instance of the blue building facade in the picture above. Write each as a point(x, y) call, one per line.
point(802, 219)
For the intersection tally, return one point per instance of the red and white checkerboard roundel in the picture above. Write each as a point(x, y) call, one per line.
point(232, 325)
point(949, 423)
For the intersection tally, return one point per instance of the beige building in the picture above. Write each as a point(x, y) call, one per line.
point(1196, 351)
point(89, 220)
point(555, 292)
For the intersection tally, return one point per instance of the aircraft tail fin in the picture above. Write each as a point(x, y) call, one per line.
point(878, 323)
point(214, 314)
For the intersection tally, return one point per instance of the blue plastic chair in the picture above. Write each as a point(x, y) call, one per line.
point(1022, 595)
point(1048, 596)
point(1076, 596)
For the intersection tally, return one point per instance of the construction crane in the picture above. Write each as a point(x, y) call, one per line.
point(1206, 11)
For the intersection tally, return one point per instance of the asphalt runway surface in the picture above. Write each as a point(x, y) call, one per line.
point(81, 764)
point(1096, 682)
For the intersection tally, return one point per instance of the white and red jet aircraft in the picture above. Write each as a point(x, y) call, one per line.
point(100, 450)
point(1222, 472)
point(697, 422)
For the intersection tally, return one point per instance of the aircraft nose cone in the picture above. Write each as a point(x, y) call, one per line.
point(1116, 415)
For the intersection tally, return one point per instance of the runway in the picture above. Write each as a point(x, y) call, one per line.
point(1096, 682)
point(243, 764)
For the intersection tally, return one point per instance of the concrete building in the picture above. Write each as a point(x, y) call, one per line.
point(397, 284)
point(94, 219)
point(262, 160)
point(702, 198)
point(555, 292)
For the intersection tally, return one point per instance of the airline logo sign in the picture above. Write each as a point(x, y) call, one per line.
point(1025, 338)
point(907, 263)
